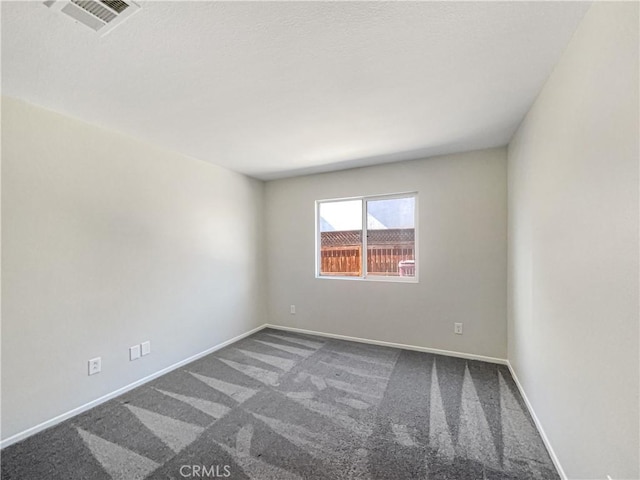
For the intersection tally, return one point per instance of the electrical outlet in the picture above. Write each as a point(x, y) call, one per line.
point(145, 348)
point(95, 365)
point(457, 328)
point(292, 309)
point(134, 352)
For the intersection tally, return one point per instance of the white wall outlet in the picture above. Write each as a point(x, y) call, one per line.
point(457, 328)
point(292, 309)
point(145, 348)
point(134, 352)
point(95, 365)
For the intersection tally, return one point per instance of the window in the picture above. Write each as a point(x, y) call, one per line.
point(370, 238)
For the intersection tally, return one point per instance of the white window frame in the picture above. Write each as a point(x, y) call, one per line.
point(364, 276)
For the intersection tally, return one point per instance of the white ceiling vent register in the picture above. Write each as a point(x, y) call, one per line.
point(99, 15)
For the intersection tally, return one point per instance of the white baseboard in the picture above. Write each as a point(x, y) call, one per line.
point(94, 403)
point(545, 439)
point(449, 353)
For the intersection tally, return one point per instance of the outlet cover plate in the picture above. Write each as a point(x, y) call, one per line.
point(134, 352)
point(95, 365)
point(145, 348)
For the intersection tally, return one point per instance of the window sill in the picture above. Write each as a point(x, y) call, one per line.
point(372, 278)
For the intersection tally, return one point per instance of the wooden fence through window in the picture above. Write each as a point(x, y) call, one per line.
point(341, 261)
point(341, 252)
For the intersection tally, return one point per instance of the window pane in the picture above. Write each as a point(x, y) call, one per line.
point(341, 238)
point(391, 237)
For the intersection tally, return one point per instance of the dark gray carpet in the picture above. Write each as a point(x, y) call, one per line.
point(280, 405)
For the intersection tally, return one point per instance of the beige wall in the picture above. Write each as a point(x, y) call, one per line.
point(573, 249)
point(462, 242)
point(108, 242)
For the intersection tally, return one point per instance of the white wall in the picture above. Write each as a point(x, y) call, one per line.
point(462, 242)
point(573, 249)
point(108, 242)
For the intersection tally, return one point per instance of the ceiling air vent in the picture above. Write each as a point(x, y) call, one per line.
point(99, 15)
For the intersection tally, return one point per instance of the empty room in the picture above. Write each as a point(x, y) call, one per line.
point(320, 240)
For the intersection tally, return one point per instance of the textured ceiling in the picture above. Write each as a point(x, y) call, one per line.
point(275, 89)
